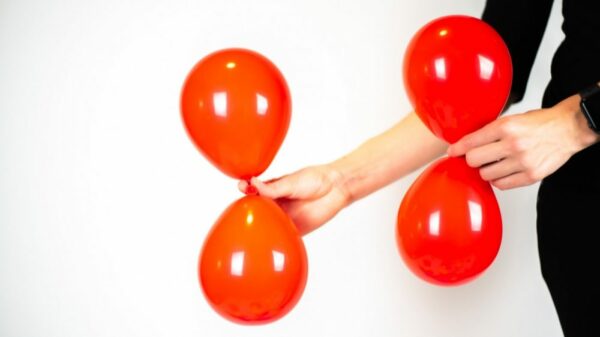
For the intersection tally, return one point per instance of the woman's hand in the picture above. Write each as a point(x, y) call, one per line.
point(310, 196)
point(519, 150)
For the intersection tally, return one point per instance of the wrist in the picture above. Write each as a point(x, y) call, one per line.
point(587, 136)
point(590, 106)
point(343, 179)
point(583, 135)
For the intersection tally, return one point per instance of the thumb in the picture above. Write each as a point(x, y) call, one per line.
point(277, 188)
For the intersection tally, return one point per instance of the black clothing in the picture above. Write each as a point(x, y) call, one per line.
point(568, 207)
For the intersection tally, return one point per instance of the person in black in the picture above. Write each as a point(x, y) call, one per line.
point(568, 224)
point(553, 143)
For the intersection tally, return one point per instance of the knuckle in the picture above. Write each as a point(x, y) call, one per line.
point(532, 176)
point(527, 164)
point(517, 144)
point(506, 127)
point(509, 127)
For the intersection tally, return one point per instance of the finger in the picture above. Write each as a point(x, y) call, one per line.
point(287, 205)
point(242, 186)
point(312, 214)
point(514, 180)
point(488, 134)
point(501, 169)
point(486, 154)
point(275, 189)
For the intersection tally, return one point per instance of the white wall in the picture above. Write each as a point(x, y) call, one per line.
point(104, 202)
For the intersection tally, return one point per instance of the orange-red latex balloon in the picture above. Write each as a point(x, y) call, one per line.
point(236, 108)
point(253, 264)
point(449, 225)
point(457, 74)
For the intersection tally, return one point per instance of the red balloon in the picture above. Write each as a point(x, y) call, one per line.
point(236, 108)
point(457, 74)
point(253, 264)
point(449, 225)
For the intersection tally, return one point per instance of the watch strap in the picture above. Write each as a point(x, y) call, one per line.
point(593, 121)
point(589, 91)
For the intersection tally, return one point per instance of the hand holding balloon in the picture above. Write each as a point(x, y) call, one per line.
point(522, 149)
point(310, 196)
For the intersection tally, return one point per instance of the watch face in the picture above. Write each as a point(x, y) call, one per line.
point(591, 107)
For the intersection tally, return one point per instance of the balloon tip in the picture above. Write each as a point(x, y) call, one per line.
point(251, 189)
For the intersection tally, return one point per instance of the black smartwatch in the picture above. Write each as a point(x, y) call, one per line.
point(590, 106)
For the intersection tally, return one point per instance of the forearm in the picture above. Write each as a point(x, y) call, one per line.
point(387, 157)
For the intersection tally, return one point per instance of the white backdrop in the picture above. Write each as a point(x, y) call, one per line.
point(104, 202)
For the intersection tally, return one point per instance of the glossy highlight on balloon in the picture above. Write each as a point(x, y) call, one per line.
point(236, 108)
point(253, 265)
point(457, 74)
point(449, 225)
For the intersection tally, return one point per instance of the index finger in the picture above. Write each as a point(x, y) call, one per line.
point(486, 135)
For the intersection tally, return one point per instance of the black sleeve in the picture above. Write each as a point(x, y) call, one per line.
point(521, 23)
